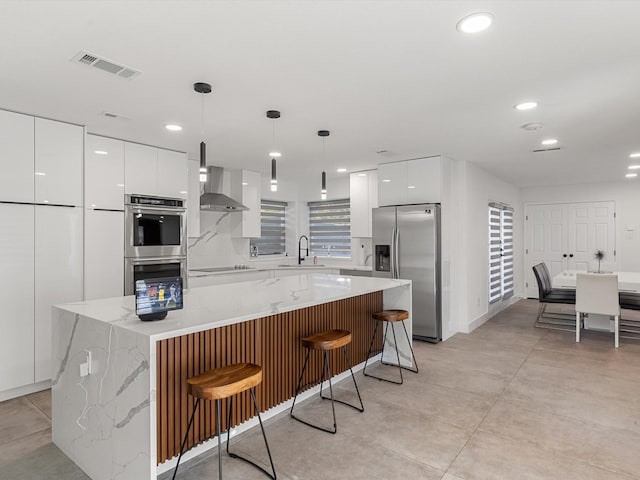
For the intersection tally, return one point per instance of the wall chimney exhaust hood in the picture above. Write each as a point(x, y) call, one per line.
point(213, 200)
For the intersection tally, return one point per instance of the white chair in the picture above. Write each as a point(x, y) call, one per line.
point(597, 293)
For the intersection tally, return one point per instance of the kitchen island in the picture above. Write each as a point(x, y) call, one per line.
point(126, 417)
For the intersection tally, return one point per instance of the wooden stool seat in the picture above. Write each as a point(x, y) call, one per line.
point(391, 315)
point(327, 340)
point(225, 381)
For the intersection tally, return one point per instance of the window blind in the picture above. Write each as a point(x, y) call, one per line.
point(500, 252)
point(272, 239)
point(330, 228)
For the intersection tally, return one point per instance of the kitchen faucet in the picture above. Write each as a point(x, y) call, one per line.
point(300, 257)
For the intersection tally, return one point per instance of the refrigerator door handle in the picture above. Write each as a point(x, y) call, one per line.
point(392, 256)
point(397, 254)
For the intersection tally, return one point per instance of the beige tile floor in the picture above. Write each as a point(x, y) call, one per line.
point(507, 401)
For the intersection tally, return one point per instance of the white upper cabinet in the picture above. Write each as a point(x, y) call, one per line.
point(410, 182)
point(246, 189)
point(193, 200)
point(140, 169)
point(16, 157)
point(58, 273)
point(104, 173)
point(155, 171)
point(392, 183)
point(172, 174)
point(58, 162)
point(364, 197)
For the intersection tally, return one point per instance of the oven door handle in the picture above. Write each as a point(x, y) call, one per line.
point(155, 260)
point(142, 208)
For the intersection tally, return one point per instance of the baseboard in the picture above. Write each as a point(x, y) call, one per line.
point(485, 317)
point(26, 390)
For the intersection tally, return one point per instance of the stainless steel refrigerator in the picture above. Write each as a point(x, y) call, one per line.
point(406, 244)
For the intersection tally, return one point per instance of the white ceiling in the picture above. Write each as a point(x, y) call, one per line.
point(393, 75)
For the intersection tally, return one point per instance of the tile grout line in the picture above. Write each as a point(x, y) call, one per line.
point(493, 404)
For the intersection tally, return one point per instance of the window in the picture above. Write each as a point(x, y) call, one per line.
point(500, 252)
point(330, 228)
point(272, 229)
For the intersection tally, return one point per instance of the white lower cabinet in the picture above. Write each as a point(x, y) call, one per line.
point(16, 295)
point(58, 273)
point(103, 254)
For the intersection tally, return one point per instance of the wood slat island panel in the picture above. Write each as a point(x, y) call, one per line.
point(272, 342)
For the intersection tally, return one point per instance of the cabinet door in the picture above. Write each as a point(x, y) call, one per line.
point(140, 169)
point(392, 183)
point(58, 162)
point(424, 180)
point(172, 174)
point(104, 254)
point(373, 198)
point(359, 199)
point(104, 173)
point(16, 295)
point(16, 157)
point(58, 273)
point(193, 200)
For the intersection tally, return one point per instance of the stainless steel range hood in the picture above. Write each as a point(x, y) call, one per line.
point(213, 199)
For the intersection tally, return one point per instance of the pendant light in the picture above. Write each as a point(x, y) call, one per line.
point(323, 191)
point(202, 88)
point(274, 115)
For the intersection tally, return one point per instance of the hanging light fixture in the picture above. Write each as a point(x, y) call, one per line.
point(202, 88)
point(274, 115)
point(323, 191)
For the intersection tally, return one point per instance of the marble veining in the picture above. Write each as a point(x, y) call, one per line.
point(65, 359)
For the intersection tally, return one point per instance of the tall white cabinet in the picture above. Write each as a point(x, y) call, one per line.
point(246, 189)
point(104, 217)
point(41, 165)
point(410, 182)
point(364, 197)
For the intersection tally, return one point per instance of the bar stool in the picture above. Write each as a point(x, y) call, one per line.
point(391, 317)
point(325, 342)
point(220, 383)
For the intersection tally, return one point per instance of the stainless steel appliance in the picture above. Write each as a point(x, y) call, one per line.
point(154, 227)
point(155, 239)
point(150, 268)
point(406, 243)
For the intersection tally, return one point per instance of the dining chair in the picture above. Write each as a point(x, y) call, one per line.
point(597, 293)
point(547, 294)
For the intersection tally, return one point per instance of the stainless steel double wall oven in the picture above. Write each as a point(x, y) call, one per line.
point(155, 239)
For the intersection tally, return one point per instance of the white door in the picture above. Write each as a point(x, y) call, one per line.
point(591, 228)
point(565, 236)
point(58, 273)
point(16, 295)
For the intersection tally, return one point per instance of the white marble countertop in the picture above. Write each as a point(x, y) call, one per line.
point(195, 272)
point(215, 306)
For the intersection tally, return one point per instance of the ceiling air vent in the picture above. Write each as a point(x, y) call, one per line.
point(550, 149)
point(94, 61)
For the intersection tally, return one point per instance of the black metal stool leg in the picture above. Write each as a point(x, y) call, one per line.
point(346, 354)
point(399, 365)
point(218, 421)
point(235, 455)
point(186, 436)
point(406, 334)
point(333, 404)
point(306, 360)
point(373, 337)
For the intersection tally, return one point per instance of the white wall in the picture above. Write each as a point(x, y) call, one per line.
point(465, 229)
point(626, 195)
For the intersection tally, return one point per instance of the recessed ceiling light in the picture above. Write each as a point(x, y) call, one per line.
point(411, 186)
point(633, 167)
point(526, 105)
point(631, 175)
point(474, 23)
point(341, 170)
point(549, 141)
point(635, 155)
point(244, 184)
point(40, 173)
point(386, 180)
point(275, 154)
point(173, 128)
point(101, 152)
